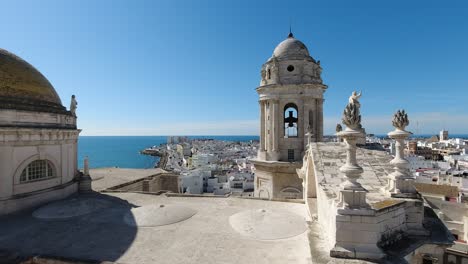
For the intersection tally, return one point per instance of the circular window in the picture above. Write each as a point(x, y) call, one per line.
point(290, 68)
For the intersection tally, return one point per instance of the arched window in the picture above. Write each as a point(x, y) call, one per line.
point(37, 170)
point(290, 120)
point(268, 74)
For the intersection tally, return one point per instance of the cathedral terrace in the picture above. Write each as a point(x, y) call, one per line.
point(272, 152)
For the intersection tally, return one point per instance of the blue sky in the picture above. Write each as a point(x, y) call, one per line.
point(191, 67)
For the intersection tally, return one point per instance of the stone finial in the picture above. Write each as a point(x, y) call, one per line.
point(338, 128)
point(351, 116)
point(400, 181)
point(400, 120)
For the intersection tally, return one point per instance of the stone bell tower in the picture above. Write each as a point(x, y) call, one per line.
point(291, 114)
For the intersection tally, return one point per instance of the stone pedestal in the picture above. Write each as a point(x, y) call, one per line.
point(273, 155)
point(353, 195)
point(277, 180)
point(85, 179)
point(400, 182)
point(262, 155)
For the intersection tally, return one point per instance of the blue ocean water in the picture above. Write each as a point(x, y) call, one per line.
point(123, 151)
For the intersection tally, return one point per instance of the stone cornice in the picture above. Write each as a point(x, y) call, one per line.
point(298, 91)
point(29, 119)
point(292, 86)
point(31, 135)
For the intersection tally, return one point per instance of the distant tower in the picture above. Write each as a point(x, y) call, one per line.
point(443, 135)
point(291, 105)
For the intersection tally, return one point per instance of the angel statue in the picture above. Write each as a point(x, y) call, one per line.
point(353, 99)
point(73, 105)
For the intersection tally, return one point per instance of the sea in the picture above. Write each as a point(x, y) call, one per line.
point(124, 151)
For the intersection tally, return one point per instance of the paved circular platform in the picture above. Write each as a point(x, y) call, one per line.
point(70, 208)
point(268, 224)
point(158, 215)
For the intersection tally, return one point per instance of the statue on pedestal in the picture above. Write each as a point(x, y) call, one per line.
point(354, 110)
point(73, 105)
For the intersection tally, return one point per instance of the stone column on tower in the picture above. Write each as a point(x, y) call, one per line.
point(262, 152)
point(319, 127)
point(267, 126)
point(274, 156)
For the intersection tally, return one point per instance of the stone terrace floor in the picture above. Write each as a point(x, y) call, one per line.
point(206, 237)
point(329, 157)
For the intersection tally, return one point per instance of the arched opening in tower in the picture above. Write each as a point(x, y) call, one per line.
point(290, 120)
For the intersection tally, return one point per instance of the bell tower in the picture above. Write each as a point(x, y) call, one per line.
point(291, 114)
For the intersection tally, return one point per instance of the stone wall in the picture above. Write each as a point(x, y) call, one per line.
point(22, 202)
point(154, 183)
point(358, 232)
point(21, 146)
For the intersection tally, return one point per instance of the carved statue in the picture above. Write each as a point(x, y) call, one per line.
point(353, 99)
point(73, 105)
point(339, 128)
point(400, 120)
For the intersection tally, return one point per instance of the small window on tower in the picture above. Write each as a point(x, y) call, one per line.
point(268, 74)
point(290, 68)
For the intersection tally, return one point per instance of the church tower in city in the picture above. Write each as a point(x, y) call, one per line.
point(291, 114)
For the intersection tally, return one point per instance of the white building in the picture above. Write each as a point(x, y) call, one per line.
point(443, 135)
point(192, 183)
point(38, 138)
point(241, 180)
point(202, 159)
point(221, 189)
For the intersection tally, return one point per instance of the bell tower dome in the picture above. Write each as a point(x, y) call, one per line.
point(291, 113)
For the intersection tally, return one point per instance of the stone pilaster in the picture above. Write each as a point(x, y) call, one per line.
point(261, 155)
point(319, 125)
point(275, 154)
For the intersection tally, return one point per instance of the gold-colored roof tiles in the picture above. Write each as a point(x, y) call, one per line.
point(19, 79)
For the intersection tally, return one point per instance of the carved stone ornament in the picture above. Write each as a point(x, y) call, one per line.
point(339, 128)
point(351, 116)
point(400, 120)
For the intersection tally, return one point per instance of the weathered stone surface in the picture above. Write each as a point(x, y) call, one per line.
point(206, 237)
point(257, 224)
